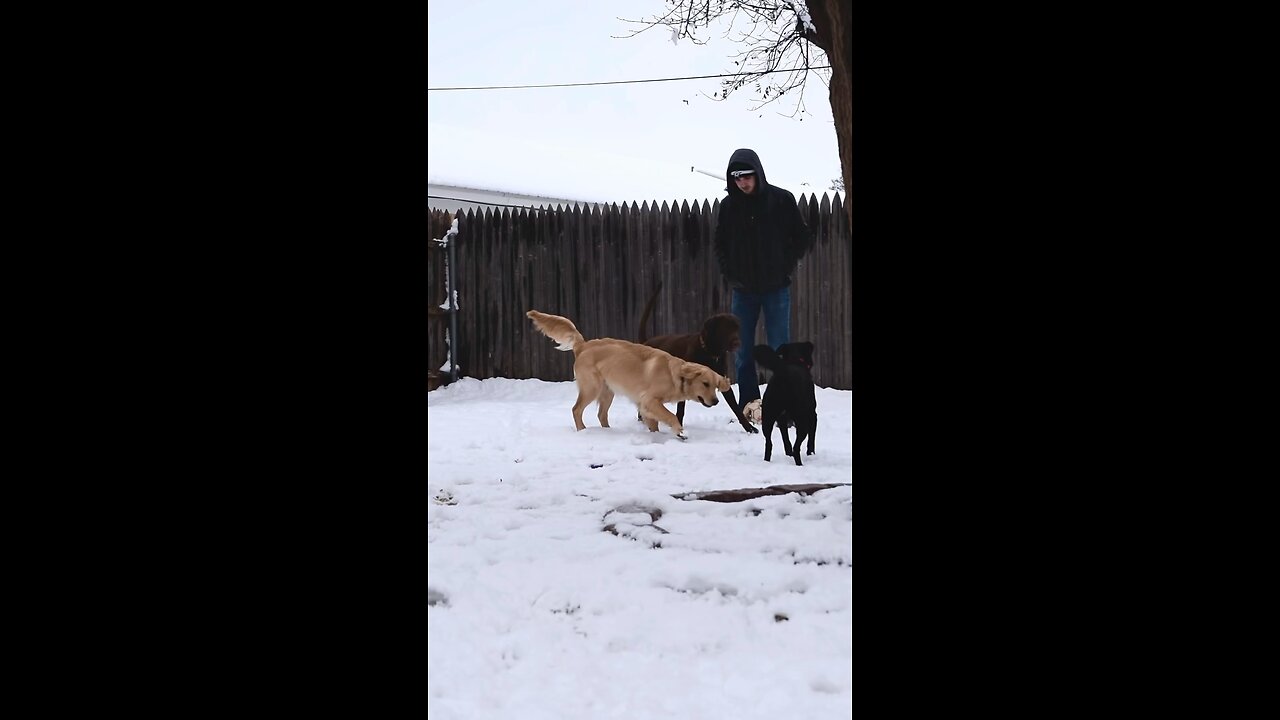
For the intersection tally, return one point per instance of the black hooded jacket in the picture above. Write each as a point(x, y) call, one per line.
point(759, 237)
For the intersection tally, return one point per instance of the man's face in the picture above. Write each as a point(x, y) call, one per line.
point(746, 183)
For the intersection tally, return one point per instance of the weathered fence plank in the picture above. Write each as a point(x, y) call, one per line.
point(597, 266)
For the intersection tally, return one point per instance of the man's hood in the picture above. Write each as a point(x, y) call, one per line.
point(749, 158)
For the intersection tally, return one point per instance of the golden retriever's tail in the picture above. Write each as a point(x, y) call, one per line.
point(560, 329)
point(644, 317)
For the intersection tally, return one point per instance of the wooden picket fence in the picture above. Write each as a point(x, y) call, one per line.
point(598, 266)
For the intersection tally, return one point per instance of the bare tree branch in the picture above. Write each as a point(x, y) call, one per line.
point(771, 34)
point(775, 34)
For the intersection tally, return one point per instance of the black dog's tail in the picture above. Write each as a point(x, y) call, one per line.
point(766, 357)
point(644, 317)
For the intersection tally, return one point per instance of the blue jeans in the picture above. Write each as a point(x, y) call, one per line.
point(777, 328)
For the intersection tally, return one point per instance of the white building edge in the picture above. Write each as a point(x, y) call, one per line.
point(442, 196)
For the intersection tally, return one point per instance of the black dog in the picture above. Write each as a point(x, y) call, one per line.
point(719, 336)
point(788, 398)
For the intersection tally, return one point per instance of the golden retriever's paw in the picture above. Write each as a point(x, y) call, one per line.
point(682, 436)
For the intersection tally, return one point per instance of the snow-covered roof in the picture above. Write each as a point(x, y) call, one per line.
point(462, 157)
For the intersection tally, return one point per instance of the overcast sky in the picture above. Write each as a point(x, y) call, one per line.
point(490, 138)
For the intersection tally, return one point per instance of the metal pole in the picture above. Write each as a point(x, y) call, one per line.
point(453, 310)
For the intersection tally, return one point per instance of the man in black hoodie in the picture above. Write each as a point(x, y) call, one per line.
point(759, 237)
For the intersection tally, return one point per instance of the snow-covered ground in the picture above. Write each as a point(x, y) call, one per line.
point(566, 582)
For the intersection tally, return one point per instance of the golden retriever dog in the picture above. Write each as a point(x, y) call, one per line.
point(647, 376)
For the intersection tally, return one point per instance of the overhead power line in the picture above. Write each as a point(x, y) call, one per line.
point(623, 82)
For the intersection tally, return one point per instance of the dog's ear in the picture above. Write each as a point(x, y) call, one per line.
point(806, 351)
point(797, 351)
point(765, 355)
point(722, 383)
point(690, 371)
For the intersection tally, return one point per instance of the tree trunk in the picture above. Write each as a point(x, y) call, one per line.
point(833, 22)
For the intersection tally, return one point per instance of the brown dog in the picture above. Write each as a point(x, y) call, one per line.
point(720, 336)
point(647, 376)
